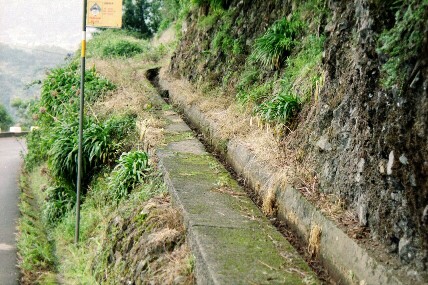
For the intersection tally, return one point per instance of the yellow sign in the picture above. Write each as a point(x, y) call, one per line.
point(104, 13)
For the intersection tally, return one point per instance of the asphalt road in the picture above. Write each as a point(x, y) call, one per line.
point(10, 163)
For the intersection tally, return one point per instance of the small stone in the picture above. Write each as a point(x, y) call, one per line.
point(425, 215)
point(362, 210)
point(403, 159)
point(405, 250)
point(390, 163)
point(323, 144)
point(360, 166)
point(382, 167)
point(412, 180)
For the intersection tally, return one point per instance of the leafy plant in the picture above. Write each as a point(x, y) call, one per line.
point(304, 68)
point(223, 41)
point(282, 108)
point(60, 92)
point(255, 94)
point(278, 41)
point(403, 42)
point(60, 200)
point(36, 150)
point(131, 170)
point(100, 145)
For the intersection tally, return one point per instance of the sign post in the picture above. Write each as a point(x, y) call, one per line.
point(101, 13)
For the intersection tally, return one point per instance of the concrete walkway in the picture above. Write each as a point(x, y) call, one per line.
point(232, 241)
point(10, 163)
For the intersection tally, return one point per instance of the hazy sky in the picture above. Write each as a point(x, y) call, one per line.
point(35, 35)
point(34, 23)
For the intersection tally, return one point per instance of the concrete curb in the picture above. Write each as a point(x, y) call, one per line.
point(346, 260)
point(233, 242)
point(8, 134)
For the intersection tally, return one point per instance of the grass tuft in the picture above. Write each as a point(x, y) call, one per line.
point(281, 109)
point(132, 169)
point(271, 48)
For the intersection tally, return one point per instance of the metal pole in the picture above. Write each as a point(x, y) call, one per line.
point(82, 103)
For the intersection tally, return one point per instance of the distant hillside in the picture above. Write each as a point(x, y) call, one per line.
point(20, 67)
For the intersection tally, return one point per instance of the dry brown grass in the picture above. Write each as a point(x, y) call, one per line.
point(314, 240)
point(151, 130)
point(133, 91)
point(167, 37)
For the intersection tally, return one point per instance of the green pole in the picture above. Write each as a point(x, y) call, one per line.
point(82, 103)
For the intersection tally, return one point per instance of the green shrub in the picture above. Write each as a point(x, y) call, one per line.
point(100, 146)
point(36, 150)
point(5, 119)
point(131, 170)
point(60, 200)
point(278, 41)
point(222, 41)
point(116, 44)
point(121, 48)
point(281, 109)
point(60, 92)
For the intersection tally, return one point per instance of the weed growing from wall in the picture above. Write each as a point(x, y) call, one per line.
point(402, 43)
point(272, 47)
point(281, 108)
point(303, 70)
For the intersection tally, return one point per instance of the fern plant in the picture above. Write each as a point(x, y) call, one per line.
point(278, 41)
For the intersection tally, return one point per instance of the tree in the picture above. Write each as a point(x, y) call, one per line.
point(142, 16)
point(23, 111)
point(5, 119)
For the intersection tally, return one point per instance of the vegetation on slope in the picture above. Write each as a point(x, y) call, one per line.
point(122, 188)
